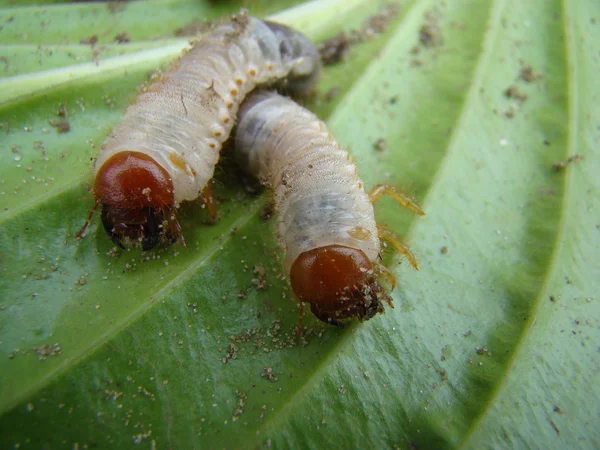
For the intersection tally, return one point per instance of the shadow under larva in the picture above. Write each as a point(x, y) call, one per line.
point(325, 219)
point(165, 150)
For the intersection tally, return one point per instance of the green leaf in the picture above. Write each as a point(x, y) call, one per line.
point(493, 343)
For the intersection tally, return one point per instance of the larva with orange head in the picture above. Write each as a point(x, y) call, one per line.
point(165, 150)
point(325, 219)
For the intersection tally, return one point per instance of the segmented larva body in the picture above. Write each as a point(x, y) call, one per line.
point(325, 219)
point(318, 196)
point(165, 150)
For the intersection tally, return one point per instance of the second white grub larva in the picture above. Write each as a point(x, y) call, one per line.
point(165, 150)
point(325, 219)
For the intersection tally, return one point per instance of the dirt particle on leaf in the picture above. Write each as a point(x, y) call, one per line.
point(444, 354)
point(260, 283)
point(561, 165)
point(90, 40)
point(113, 252)
point(336, 49)
point(483, 351)
point(268, 374)
point(231, 353)
point(140, 437)
point(513, 91)
point(194, 28)
point(430, 34)
point(378, 23)
point(510, 112)
point(527, 73)
point(443, 374)
point(379, 144)
point(62, 126)
point(122, 38)
point(47, 350)
point(62, 111)
point(259, 269)
point(239, 407)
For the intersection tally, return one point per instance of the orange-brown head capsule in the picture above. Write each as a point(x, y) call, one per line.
point(338, 282)
point(137, 200)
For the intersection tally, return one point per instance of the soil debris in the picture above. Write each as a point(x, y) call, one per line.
point(194, 28)
point(122, 38)
point(274, 338)
point(513, 91)
point(269, 374)
point(528, 75)
point(483, 351)
point(336, 49)
point(46, 350)
point(62, 111)
point(380, 145)
point(239, 407)
point(231, 353)
point(430, 34)
point(62, 126)
point(91, 40)
point(561, 165)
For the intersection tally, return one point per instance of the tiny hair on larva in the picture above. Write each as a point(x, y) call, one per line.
point(165, 149)
point(325, 219)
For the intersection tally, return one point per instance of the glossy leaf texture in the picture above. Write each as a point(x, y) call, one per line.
point(485, 110)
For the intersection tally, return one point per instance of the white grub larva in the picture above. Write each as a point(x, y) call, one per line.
point(325, 219)
point(165, 149)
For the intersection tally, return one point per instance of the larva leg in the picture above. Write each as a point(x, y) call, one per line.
point(380, 189)
point(390, 237)
point(88, 220)
point(209, 200)
point(175, 225)
point(381, 270)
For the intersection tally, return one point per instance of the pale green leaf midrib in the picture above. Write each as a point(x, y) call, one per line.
point(16, 88)
point(84, 6)
point(74, 47)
